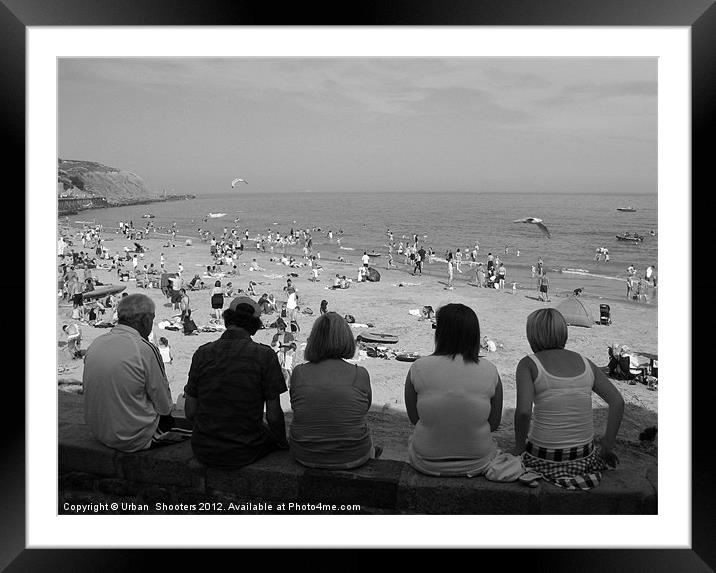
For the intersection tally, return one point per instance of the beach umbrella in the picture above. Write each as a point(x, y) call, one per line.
point(535, 221)
point(235, 181)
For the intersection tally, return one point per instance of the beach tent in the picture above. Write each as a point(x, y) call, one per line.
point(372, 275)
point(575, 312)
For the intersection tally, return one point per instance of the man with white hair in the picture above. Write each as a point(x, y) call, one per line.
point(127, 399)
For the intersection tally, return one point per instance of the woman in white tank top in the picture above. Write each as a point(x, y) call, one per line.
point(553, 416)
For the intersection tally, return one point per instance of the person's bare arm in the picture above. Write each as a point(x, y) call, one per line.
point(523, 407)
point(608, 392)
point(495, 416)
point(411, 400)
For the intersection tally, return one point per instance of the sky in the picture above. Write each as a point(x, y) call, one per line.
point(191, 125)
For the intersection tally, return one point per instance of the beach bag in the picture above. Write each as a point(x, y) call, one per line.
point(307, 311)
point(350, 319)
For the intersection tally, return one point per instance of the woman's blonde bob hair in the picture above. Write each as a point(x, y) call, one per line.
point(546, 330)
point(330, 337)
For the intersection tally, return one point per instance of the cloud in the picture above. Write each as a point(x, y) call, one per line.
point(592, 91)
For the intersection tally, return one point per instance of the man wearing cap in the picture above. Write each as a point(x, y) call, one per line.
point(127, 399)
point(230, 382)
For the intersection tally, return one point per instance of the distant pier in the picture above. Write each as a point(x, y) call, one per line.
point(71, 205)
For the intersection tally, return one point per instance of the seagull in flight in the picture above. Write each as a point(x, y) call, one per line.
point(537, 222)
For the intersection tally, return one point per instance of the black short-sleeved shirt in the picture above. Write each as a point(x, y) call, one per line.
point(231, 379)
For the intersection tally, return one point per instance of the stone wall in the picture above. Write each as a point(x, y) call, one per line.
point(91, 474)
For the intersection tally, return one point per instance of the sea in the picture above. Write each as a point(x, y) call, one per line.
point(579, 224)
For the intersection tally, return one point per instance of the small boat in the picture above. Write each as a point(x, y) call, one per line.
point(378, 337)
point(626, 209)
point(216, 215)
point(373, 254)
point(630, 238)
point(147, 216)
point(87, 205)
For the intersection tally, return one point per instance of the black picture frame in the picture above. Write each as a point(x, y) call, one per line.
point(698, 15)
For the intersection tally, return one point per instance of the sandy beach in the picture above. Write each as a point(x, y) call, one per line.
point(386, 305)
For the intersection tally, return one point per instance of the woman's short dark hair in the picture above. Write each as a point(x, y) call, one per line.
point(243, 317)
point(330, 337)
point(546, 330)
point(457, 331)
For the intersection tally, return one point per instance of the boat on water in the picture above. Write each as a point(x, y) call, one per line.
point(629, 237)
point(216, 215)
point(626, 209)
point(147, 216)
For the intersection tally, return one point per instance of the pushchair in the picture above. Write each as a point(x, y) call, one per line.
point(620, 367)
point(605, 316)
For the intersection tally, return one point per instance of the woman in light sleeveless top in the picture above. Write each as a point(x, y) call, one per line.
point(330, 399)
point(554, 428)
point(454, 399)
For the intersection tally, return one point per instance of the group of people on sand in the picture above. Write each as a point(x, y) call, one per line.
point(493, 274)
point(453, 398)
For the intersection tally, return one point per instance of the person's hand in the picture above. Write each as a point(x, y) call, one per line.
point(611, 459)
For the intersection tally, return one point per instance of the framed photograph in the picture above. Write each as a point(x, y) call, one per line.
point(361, 169)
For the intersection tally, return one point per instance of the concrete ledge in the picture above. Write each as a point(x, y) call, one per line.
point(374, 484)
point(272, 478)
point(91, 472)
point(419, 493)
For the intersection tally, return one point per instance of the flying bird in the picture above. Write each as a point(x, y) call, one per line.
point(235, 181)
point(535, 221)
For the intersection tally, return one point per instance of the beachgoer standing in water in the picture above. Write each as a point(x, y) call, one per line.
point(630, 286)
point(458, 260)
point(641, 289)
point(450, 271)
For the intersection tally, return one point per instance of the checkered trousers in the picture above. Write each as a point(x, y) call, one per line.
point(569, 468)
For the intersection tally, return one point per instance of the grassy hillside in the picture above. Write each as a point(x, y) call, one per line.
point(91, 179)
